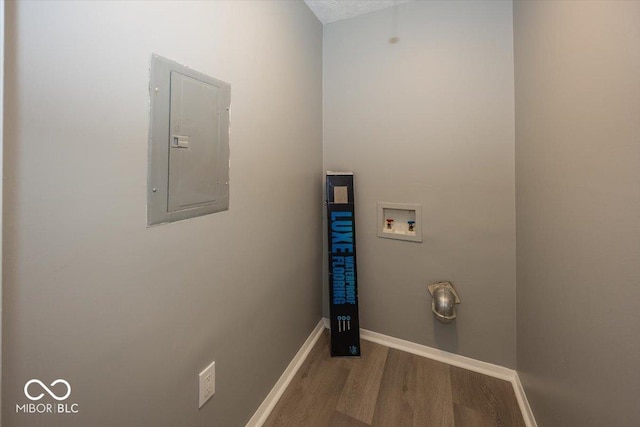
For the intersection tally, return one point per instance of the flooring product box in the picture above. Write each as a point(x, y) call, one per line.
point(343, 282)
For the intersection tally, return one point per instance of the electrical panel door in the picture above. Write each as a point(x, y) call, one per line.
point(194, 139)
point(189, 144)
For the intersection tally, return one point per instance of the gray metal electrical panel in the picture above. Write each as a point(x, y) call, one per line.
point(188, 143)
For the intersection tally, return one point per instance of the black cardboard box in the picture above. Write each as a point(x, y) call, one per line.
point(343, 282)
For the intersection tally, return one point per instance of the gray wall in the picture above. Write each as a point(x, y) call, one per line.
point(577, 73)
point(1, 167)
point(130, 315)
point(430, 120)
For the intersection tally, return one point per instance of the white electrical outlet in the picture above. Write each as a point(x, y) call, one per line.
point(207, 381)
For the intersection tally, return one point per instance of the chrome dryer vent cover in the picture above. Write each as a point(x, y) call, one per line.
point(444, 300)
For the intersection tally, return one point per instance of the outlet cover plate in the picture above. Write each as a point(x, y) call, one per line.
point(207, 383)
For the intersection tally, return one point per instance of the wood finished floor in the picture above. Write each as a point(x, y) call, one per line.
point(391, 388)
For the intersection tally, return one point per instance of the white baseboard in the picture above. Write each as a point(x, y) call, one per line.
point(485, 368)
point(281, 385)
point(474, 365)
point(527, 413)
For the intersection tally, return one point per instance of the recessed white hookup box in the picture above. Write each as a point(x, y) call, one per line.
point(401, 221)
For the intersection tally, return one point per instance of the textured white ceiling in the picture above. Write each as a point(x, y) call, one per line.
point(335, 10)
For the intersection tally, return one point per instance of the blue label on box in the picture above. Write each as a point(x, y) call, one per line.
point(343, 282)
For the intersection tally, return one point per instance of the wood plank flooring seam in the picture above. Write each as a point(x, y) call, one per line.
point(388, 387)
